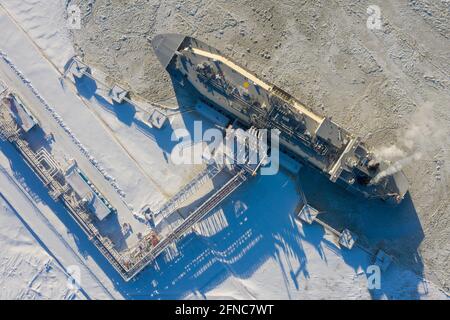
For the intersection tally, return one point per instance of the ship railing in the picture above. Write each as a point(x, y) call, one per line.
point(236, 96)
point(209, 173)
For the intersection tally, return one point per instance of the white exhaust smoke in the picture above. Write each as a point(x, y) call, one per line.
point(397, 166)
point(424, 135)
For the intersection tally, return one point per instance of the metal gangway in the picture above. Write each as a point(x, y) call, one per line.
point(197, 215)
point(240, 166)
point(189, 189)
point(11, 132)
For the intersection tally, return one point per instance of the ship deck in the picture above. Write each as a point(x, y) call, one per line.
point(255, 80)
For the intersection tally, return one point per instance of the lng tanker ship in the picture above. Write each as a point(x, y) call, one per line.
point(313, 139)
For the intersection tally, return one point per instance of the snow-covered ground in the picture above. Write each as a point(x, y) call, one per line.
point(45, 23)
point(27, 271)
point(265, 253)
point(251, 247)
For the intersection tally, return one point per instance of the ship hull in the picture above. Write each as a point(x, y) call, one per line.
point(311, 138)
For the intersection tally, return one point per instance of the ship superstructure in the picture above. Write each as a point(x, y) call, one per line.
point(307, 136)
